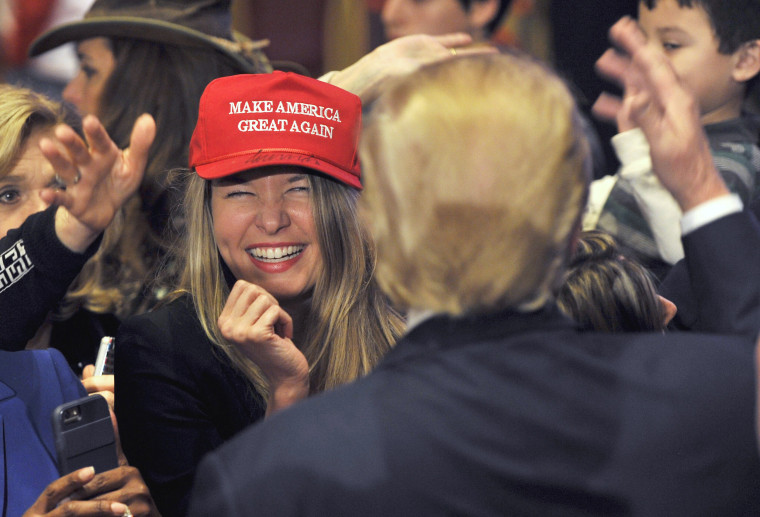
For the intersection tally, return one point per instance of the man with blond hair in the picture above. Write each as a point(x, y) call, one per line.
point(493, 403)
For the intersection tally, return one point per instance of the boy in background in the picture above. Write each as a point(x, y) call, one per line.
point(714, 47)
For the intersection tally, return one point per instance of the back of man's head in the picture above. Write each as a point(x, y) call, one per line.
point(476, 172)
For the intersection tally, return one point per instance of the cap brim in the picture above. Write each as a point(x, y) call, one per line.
point(264, 158)
point(136, 28)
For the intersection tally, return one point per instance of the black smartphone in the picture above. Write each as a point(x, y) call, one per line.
point(104, 361)
point(84, 435)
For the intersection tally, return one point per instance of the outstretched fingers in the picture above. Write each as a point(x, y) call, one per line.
point(650, 82)
point(60, 157)
point(143, 134)
point(668, 114)
point(613, 65)
point(97, 138)
point(607, 107)
point(130, 164)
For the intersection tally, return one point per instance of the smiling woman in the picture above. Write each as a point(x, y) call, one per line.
point(264, 228)
point(277, 295)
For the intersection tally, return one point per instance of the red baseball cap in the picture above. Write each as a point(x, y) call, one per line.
point(282, 118)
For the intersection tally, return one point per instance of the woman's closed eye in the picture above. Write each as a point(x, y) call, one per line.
point(300, 188)
point(238, 194)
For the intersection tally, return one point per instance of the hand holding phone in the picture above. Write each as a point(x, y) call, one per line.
point(84, 435)
point(84, 492)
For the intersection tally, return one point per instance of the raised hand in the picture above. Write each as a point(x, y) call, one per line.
point(98, 177)
point(254, 321)
point(400, 57)
point(655, 100)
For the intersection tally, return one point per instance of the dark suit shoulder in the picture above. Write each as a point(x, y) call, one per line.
point(531, 421)
point(717, 286)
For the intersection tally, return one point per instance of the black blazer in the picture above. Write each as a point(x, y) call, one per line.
point(177, 398)
point(715, 285)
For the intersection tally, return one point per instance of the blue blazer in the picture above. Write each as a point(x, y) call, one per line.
point(32, 384)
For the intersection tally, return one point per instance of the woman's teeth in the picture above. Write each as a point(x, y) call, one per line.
point(275, 254)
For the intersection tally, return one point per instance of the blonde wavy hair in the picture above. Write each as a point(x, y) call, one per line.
point(22, 112)
point(350, 325)
point(475, 173)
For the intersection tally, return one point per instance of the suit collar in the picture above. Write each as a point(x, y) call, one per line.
point(441, 331)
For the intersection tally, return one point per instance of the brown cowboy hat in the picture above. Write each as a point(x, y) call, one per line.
point(191, 23)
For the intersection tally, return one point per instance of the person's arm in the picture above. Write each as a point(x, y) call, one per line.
point(36, 269)
point(723, 253)
point(714, 287)
point(399, 57)
point(163, 427)
point(39, 260)
point(598, 192)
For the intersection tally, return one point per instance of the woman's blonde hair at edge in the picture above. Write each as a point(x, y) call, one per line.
point(22, 112)
point(476, 172)
point(350, 325)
